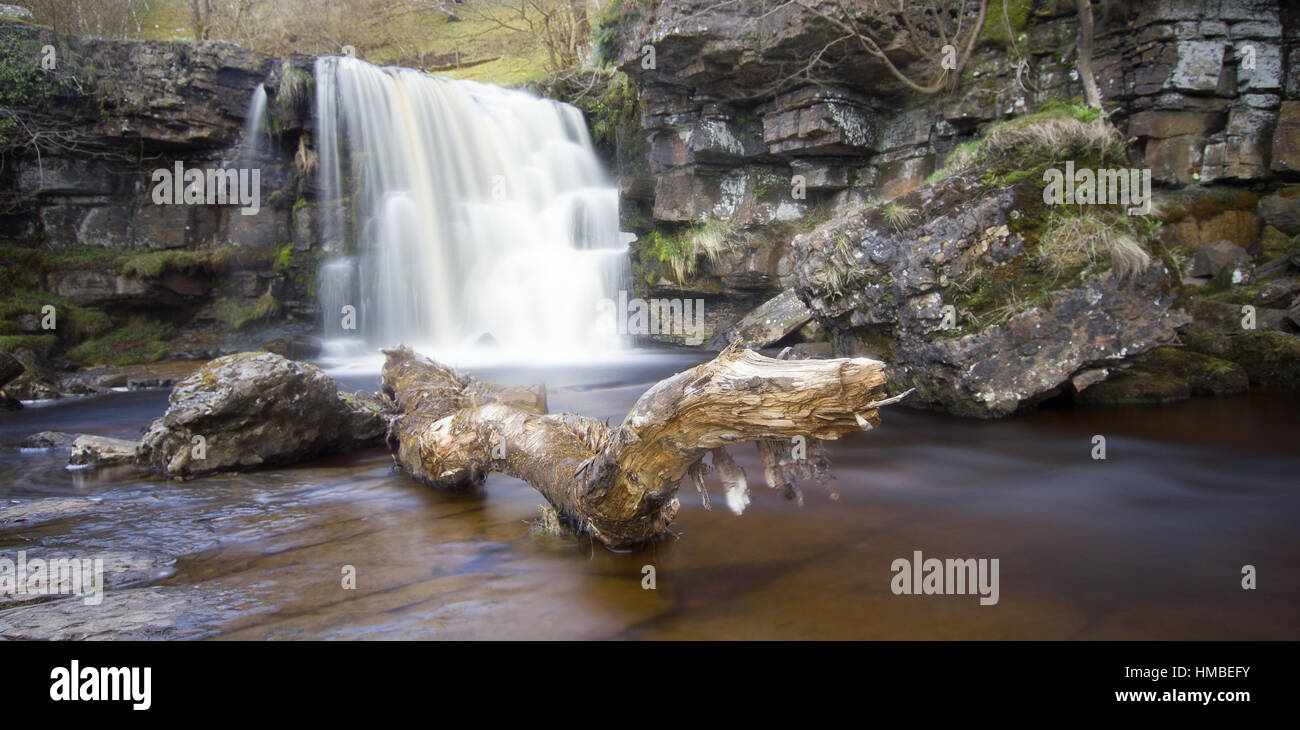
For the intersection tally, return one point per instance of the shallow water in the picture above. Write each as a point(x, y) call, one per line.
point(1148, 543)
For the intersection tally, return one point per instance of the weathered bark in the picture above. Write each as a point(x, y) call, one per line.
point(618, 484)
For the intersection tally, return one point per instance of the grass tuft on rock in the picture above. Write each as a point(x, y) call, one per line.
point(1073, 241)
point(1022, 147)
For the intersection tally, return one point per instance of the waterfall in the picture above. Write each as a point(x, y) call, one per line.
point(257, 137)
point(469, 213)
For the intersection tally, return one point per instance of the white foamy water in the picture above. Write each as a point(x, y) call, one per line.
point(257, 139)
point(472, 214)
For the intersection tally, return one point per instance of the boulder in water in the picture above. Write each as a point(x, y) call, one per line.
point(101, 451)
point(48, 440)
point(257, 409)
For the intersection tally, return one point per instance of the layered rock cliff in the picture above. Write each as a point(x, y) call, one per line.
point(947, 276)
point(82, 230)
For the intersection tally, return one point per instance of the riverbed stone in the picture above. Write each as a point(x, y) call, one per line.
point(101, 451)
point(48, 440)
point(253, 410)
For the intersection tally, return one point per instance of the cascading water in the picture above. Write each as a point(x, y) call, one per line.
point(257, 138)
point(469, 211)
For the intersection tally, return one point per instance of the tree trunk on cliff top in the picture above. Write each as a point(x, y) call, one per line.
point(618, 484)
point(1091, 94)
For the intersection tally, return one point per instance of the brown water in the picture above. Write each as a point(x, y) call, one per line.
point(1149, 543)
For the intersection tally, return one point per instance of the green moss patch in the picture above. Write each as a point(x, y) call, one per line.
point(139, 340)
point(237, 313)
point(1271, 359)
point(39, 343)
point(1005, 21)
point(215, 261)
point(1132, 387)
point(1204, 374)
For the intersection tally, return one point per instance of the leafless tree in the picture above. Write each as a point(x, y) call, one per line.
point(561, 26)
point(941, 31)
point(102, 18)
point(1089, 80)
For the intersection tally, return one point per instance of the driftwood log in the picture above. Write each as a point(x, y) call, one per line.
point(619, 484)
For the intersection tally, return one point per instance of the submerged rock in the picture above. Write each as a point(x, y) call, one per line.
point(101, 451)
point(48, 440)
point(256, 410)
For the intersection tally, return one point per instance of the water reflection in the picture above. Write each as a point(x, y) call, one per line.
point(1146, 544)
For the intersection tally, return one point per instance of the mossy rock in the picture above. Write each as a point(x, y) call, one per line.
point(1136, 386)
point(1005, 21)
point(1271, 359)
point(1273, 244)
point(1205, 375)
point(139, 340)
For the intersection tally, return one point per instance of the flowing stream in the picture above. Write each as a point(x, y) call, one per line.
point(1149, 543)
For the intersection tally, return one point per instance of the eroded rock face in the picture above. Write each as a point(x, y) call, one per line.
point(770, 322)
point(255, 410)
point(925, 298)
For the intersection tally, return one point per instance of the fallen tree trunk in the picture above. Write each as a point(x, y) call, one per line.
point(619, 484)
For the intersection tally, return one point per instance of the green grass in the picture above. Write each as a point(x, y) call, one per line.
point(172, 21)
point(10, 343)
point(475, 48)
point(676, 251)
point(1023, 147)
point(139, 340)
point(152, 264)
point(73, 324)
point(237, 314)
point(295, 91)
point(899, 216)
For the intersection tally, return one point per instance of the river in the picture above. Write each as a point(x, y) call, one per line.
point(1149, 543)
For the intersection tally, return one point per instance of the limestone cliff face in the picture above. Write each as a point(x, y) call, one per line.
point(1175, 74)
point(79, 226)
point(1206, 92)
